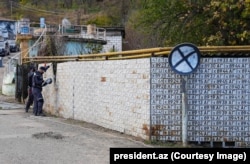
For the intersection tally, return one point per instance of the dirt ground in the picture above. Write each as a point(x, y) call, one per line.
point(10, 99)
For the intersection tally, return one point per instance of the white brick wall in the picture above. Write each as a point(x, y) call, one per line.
point(113, 42)
point(112, 94)
point(116, 95)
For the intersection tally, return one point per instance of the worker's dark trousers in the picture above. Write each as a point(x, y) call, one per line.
point(30, 99)
point(38, 101)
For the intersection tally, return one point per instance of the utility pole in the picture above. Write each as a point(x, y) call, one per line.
point(10, 9)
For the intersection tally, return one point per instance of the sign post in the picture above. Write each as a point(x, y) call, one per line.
point(184, 60)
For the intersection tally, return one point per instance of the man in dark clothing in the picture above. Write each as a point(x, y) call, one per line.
point(31, 97)
point(37, 85)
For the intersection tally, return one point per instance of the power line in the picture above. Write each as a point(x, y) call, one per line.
point(17, 5)
point(11, 9)
point(38, 12)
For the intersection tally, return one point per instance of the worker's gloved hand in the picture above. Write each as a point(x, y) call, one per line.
point(47, 67)
point(47, 81)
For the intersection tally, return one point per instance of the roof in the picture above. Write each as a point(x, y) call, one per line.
point(116, 29)
point(5, 19)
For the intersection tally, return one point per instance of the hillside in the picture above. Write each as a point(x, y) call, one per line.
point(100, 12)
point(103, 13)
point(147, 23)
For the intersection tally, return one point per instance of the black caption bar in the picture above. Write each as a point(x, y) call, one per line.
point(179, 155)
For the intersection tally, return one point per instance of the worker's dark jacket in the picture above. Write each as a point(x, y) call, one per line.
point(37, 80)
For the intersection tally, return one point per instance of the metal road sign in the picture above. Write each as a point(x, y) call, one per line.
point(184, 58)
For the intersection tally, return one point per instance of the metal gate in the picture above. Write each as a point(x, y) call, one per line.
point(21, 82)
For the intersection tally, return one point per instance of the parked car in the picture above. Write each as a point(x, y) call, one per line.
point(2, 49)
point(2, 52)
point(13, 46)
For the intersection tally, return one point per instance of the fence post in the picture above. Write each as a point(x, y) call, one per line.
point(1, 62)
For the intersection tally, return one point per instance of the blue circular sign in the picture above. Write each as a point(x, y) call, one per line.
point(184, 58)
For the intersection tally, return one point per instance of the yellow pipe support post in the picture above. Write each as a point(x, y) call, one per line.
point(24, 46)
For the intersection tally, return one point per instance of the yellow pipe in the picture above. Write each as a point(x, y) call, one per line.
point(50, 57)
point(134, 54)
point(128, 52)
point(130, 57)
point(92, 59)
point(51, 60)
point(226, 50)
point(223, 47)
point(206, 49)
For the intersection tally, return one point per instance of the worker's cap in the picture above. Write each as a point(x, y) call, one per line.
point(43, 68)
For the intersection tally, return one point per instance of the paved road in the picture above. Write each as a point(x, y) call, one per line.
point(28, 139)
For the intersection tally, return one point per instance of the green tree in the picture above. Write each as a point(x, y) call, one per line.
point(228, 22)
point(200, 22)
point(170, 22)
